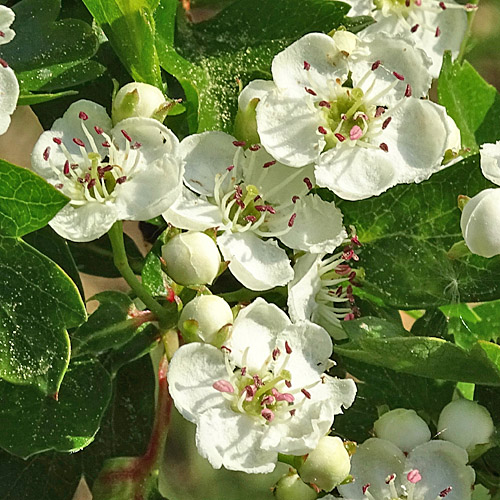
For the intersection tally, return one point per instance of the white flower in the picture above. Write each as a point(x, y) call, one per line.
point(262, 394)
point(9, 86)
point(431, 471)
point(248, 196)
point(363, 139)
point(321, 290)
point(435, 25)
point(129, 172)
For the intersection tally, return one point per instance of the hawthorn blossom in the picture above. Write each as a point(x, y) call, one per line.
point(252, 200)
point(434, 25)
point(321, 290)
point(9, 86)
point(363, 139)
point(431, 471)
point(261, 394)
point(129, 172)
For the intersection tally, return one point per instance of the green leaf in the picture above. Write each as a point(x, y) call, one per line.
point(373, 327)
point(152, 276)
point(38, 302)
point(381, 387)
point(96, 257)
point(406, 234)
point(423, 356)
point(43, 47)
point(432, 324)
point(31, 422)
point(29, 99)
point(208, 58)
point(130, 28)
point(457, 84)
point(27, 202)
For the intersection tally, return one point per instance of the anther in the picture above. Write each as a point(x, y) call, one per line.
point(288, 383)
point(98, 130)
point(106, 144)
point(269, 164)
point(292, 220)
point(87, 177)
point(254, 147)
point(379, 111)
point(83, 116)
point(91, 183)
point(243, 371)
point(310, 91)
point(268, 400)
point(121, 179)
point(251, 218)
point(324, 104)
point(66, 168)
point(469, 7)
point(442, 5)
point(288, 349)
point(250, 390)
point(376, 64)
point(414, 476)
point(306, 393)
point(270, 209)
point(307, 66)
point(59, 186)
point(3, 63)
point(322, 130)
point(292, 412)
point(78, 142)
point(239, 144)
point(445, 492)
point(260, 208)
point(125, 134)
point(408, 91)
point(230, 168)
point(267, 414)
point(46, 153)
point(2, 34)
point(339, 137)
point(225, 348)
point(390, 478)
point(398, 75)
point(295, 198)
point(57, 140)
point(386, 123)
point(384, 147)
point(438, 31)
point(308, 182)
point(414, 28)
point(365, 488)
point(276, 353)
point(136, 145)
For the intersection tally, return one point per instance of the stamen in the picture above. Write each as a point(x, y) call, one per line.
point(306, 393)
point(287, 347)
point(57, 140)
point(322, 130)
point(386, 122)
point(269, 164)
point(442, 5)
point(376, 64)
point(98, 130)
point(3, 63)
point(292, 220)
point(46, 153)
point(408, 91)
point(307, 66)
point(308, 182)
point(239, 143)
point(414, 28)
point(276, 352)
point(398, 76)
point(384, 147)
point(83, 116)
point(340, 137)
point(78, 142)
point(445, 492)
point(125, 134)
point(267, 414)
point(310, 91)
point(254, 147)
point(324, 104)
point(121, 179)
point(438, 31)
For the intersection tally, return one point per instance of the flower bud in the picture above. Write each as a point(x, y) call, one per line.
point(139, 99)
point(466, 424)
point(291, 487)
point(328, 465)
point(402, 427)
point(191, 258)
point(480, 222)
point(210, 312)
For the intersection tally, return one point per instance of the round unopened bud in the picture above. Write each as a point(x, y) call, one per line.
point(291, 487)
point(466, 424)
point(480, 222)
point(210, 312)
point(191, 258)
point(139, 99)
point(402, 427)
point(328, 465)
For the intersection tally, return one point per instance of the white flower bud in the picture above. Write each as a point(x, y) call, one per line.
point(328, 465)
point(480, 222)
point(402, 427)
point(466, 424)
point(139, 99)
point(291, 487)
point(210, 312)
point(191, 258)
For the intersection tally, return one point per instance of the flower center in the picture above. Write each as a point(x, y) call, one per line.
point(90, 177)
point(398, 7)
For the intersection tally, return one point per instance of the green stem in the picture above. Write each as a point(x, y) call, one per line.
point(470, 19)
point(121, 262)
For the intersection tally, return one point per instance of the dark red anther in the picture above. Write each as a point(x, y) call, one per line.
point(80, 180)
point(322, 130)
point(292, 412)
point(306, 393)
point(230, 168)
point(57, 140)
point(98, 130)
point(59, 186)
point(276, 353)
point(3, 63)
point(257, 198)
point(308, 182)
point(170, 295)
point(240, 204)
point(355, 240)
point(408, 91)
point(269, 164)
point(386, 122)
point(83, 116)
point(339, 291)
point(292, 220)
point(270, 209)
point(87, 177)
point(307, 66)
point(295, 198)
point(260, 208)
point(379, 111)
point(414, 28)
point(121, 179)
point(243, 371)
point(442, 5)
point(78, 142)
point(365, 488)
point(384, 147)
point(125, 134)
point(106, 144)
point(438, 31)
point(2, 34)
point(351, 276)
point(254, 147)
point(340, 137)
point(91, 183)
point(239, 144)
point(349, 317)
point(257, 381)
point(107, 168)
point(324, 104)
point(136, 145)
point(225, 348)
point(376, 64)
point(343, 269)
point(310, 91)
point(445, 492)
point(288, 383)
point(66, 168)
point(348, 254)
point(288, 349)
point(46, 153)
point(399, 76)
point(251, 218)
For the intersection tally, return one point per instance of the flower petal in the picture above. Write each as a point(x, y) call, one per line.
point(256, 264)
point(6, 19)
point(8, 96)
point(490, 162)
point(256, 89)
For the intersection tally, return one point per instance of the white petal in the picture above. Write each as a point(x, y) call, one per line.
point(490, 162)
point(255, 333)
point(373, 461)
point(256, 264)
point(441, 464)
point(359, 7)
point(84, 223)
point(233, 440)
point(306, 234)
point(9, 92)
point(206, 155)
point(193, 212)
point(256, 89)
point(396, 53)
point(321, 53)
point(192, 372)
point(303, 288)
point(6, 19)
point(356, 173)
point(288, 128)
